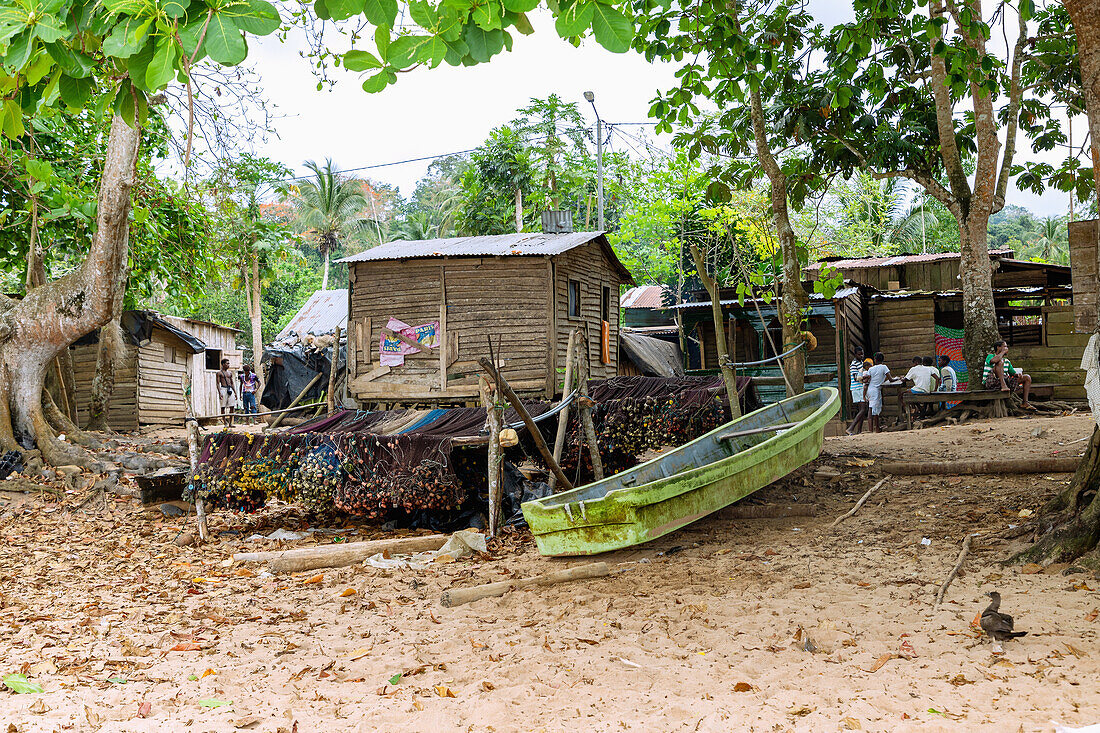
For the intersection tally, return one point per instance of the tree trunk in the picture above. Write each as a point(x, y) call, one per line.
point(519, 210)
point(103, 383)
point(794, 299)
point(256, 315)
point(324, 278)
point(52, 316)
point(719, 332)
point(1071, 522)
point(976, 276)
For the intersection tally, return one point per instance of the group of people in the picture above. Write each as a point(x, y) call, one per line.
point(925, 376)
point(227, 392)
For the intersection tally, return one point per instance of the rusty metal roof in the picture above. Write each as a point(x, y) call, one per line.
point(643, 296)
point(856, 263)
point(526, 244)
point(324, 311)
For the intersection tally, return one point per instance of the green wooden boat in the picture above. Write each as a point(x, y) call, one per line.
point(685, 484)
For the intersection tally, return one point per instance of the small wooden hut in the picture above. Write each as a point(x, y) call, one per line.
point(524, 292)
point(158, 351)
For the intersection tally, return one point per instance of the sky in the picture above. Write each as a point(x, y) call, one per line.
point(448, 109)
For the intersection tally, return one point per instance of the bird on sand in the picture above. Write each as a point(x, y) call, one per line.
point(996, 624)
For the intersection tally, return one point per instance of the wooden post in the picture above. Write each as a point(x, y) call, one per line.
point(724, 360)
point(443, 336)
point(193, 453)
point(563, 416)
point(586, 413)
point(531, 426)
point(308, 387)
point(493, 415)
point(330, 401)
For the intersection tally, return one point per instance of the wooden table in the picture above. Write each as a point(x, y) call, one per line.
point(968, 397)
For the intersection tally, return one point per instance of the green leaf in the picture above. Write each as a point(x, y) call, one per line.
point(123, 7)
point(19, 51)
point(487, 14)
point(522, 23)
point(39, 170)
point(433, 52)
point(19, 684)
point(175, 8)
point(403, 49)
point(224, 42)
point(193, 677)
point(520, 6)
point(483, 44)
point(212, 703)
point(117, 680)
point(189, 37)
point(76, 92)
point(612, 29)
point(39, 69)
point(356, 60)
point(260, 19)
point(163, 66)
point(575, 20)
point(48, 28)
point(396, 679)
point(12, 119)
point(344, 9)
point(378, 82)
point(380, 12)
point(73, 63)
point(382, 41)
point(127, 38)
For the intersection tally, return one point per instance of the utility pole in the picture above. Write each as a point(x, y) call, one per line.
point(591, 99)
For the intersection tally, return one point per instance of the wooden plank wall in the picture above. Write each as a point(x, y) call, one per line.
point(903, 328)
point(1058, 360)
point(498, 296)
point(162, 364)
point(589, 266)
point(1082, 262)
point(204, 391)
point(123, 410)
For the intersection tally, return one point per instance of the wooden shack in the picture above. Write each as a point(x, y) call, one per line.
point(524, 292)
point(158, 351)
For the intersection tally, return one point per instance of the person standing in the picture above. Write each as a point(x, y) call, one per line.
point(949, 380)
point(227, 392)
point(877, 375)
point(250, 382)
point(856, 387)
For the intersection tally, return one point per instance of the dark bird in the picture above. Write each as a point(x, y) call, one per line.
point(998, 625)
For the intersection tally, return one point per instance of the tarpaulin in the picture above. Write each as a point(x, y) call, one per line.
point(653, 357)
point(292, 368)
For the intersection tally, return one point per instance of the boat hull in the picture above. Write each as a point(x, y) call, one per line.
point(674, 490)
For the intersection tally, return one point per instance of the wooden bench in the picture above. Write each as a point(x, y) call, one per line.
point(968, 396)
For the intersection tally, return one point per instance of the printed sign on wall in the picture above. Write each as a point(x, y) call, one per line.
point(391, 351)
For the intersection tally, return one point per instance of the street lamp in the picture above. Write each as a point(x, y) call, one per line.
point(591, 99)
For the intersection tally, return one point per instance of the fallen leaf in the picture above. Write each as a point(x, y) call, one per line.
point(742, 687)
point(244, 573)
point(144, 709)
point(359, 653)
point(1082, 586)
point(39, 707)
point(1074, 650)
point(247, 722)
point(881, 661)
point(207, 673)
point(418, 705)
point(443, 691)
point(212, 703)
point(958, 681)
point(488, 686)
point(19, 684)
point(347, 592)
point(1091, 615)
point(1030, 568)
point(396, 678)
point(117, 680)
point(45, 668)
point(907, 648)
point(852, 724)
point(315, 579)
point(186, 646)
point(1025, 513)
point(800, 710)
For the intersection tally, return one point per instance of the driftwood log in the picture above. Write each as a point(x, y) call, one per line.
point(963, 552)
point(458, 596)
point(341, 555)
point(768, 511)
point(1056, 464)
point(859, 503)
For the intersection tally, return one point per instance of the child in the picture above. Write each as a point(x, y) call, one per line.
point(877, 375)
point(858, 370)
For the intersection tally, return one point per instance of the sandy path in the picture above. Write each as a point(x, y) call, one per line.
point(92, 606)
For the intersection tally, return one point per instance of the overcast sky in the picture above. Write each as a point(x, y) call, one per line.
point(451, 109)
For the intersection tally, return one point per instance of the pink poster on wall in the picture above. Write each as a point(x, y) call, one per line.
point(391, 351)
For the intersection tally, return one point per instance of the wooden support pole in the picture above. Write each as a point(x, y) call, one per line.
point(532, 428)
point(193, 454)
point(458, 596)
point(297, 399)
point(585, 408)
point(563, 416)
point(330, 400)
point(493, 417)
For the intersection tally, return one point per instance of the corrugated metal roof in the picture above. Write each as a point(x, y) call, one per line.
point(526, 244)
point(643, 296)
point(895, 260)
point(324, 311)
point(842, 293)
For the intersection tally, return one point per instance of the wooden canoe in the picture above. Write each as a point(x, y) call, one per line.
point(685, 484)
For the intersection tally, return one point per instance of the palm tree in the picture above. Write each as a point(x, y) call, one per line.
point(330, 209)
point(1049, 242)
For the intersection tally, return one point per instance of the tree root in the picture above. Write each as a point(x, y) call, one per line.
point(61, 423)
point(56, 452)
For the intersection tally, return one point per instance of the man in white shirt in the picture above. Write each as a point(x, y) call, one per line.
point(949, 380)
point(923, 378)
point(876, 377)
